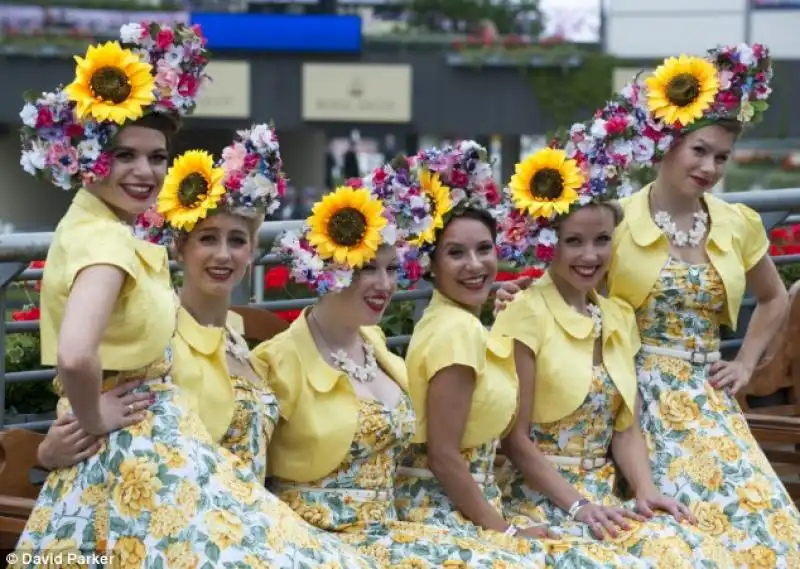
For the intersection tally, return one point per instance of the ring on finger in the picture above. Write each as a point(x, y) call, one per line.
point(130, 408)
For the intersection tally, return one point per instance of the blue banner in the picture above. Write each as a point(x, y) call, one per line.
point(281, 32)
point(775, 4)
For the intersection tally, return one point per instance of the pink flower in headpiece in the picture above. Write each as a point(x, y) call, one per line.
point(233, 157)
point(64, 156)
point(167, 77)
point(164, 38)
point(491, 193)
point(102, 166)
point(188, 85)
point(413, 271)
point(251, 161)
point(616, 125)
point(354, 182)
point(281, 187)
point(545, 253)
point(459, 178)
point(44, 118)
point(233, 181)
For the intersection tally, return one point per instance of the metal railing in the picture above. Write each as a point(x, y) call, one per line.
point(17, 250)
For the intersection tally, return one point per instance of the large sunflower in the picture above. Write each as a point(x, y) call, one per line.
point(193, 186)
point(438, 196)
point(546, 182)
point(346, 226)
point(681, 89)
point(111, 83)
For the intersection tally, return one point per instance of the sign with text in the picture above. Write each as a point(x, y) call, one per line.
point(227, 94)
point(375, 93)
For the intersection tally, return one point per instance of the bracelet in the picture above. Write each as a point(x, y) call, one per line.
point(576, 507)
point(511, 530)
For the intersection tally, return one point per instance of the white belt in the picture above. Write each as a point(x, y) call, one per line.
point(425, 473)
point(585, 463)
point(366, 495)
point(690, 356)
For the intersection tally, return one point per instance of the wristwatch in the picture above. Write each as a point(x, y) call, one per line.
point(576, 507)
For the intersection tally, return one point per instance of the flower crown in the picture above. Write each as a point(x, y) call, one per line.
point(595, 161)
point(66, 134)
point(466, 181)
point(347, 227)
point(249, 177)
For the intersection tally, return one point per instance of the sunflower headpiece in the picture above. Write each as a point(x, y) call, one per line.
point(595, 161)
point(66, 134)
point(249, 178)
point(733, 82)
point(348, 226)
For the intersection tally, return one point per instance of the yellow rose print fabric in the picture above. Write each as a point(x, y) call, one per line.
point(701, 450)
point(661, 542)
point(341, 503)
point(163, 494)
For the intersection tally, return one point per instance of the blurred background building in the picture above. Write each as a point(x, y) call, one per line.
point(350, 83)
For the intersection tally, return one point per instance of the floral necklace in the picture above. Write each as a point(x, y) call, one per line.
point(362, 374)
point(236, 349)
point(681, 238)
point(597, 319)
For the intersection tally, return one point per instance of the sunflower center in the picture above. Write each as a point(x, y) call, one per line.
point(192, 190)
point(683, 89)
point(110, 84)
point(347, 227)
point(547, 184)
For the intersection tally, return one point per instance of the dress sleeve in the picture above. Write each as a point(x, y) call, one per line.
point(456, 342)
point(276, 362)
point(100, 244)
point(752, 237)
point(519, 321)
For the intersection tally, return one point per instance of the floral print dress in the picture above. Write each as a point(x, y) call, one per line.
point(356, 502)
point(660, 542)
point(701, 450)
point(161, 493)
point(424, 500)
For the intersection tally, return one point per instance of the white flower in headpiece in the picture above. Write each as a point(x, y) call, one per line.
point(262, 137)
point(643, 149)
point(29, 115)
point(389, 234)
point(175, 55)
point(90, 149)
point(746, 56)
point(259, 186)
point(33, 160)
point(598, 128)
point(547, 237)
point(131, 33)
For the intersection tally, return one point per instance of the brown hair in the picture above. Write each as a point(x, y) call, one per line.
point(166, 123)
point(731, 125)
point(613, 205)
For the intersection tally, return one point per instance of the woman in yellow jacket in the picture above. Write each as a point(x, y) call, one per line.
point(346, 415)
point(683, 259)
point(217, 507)
point(573, 351)
point(462, 382)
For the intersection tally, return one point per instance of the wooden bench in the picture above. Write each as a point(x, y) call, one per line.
point(776, 381)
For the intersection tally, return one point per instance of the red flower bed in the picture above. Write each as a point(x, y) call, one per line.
point(785, 241)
